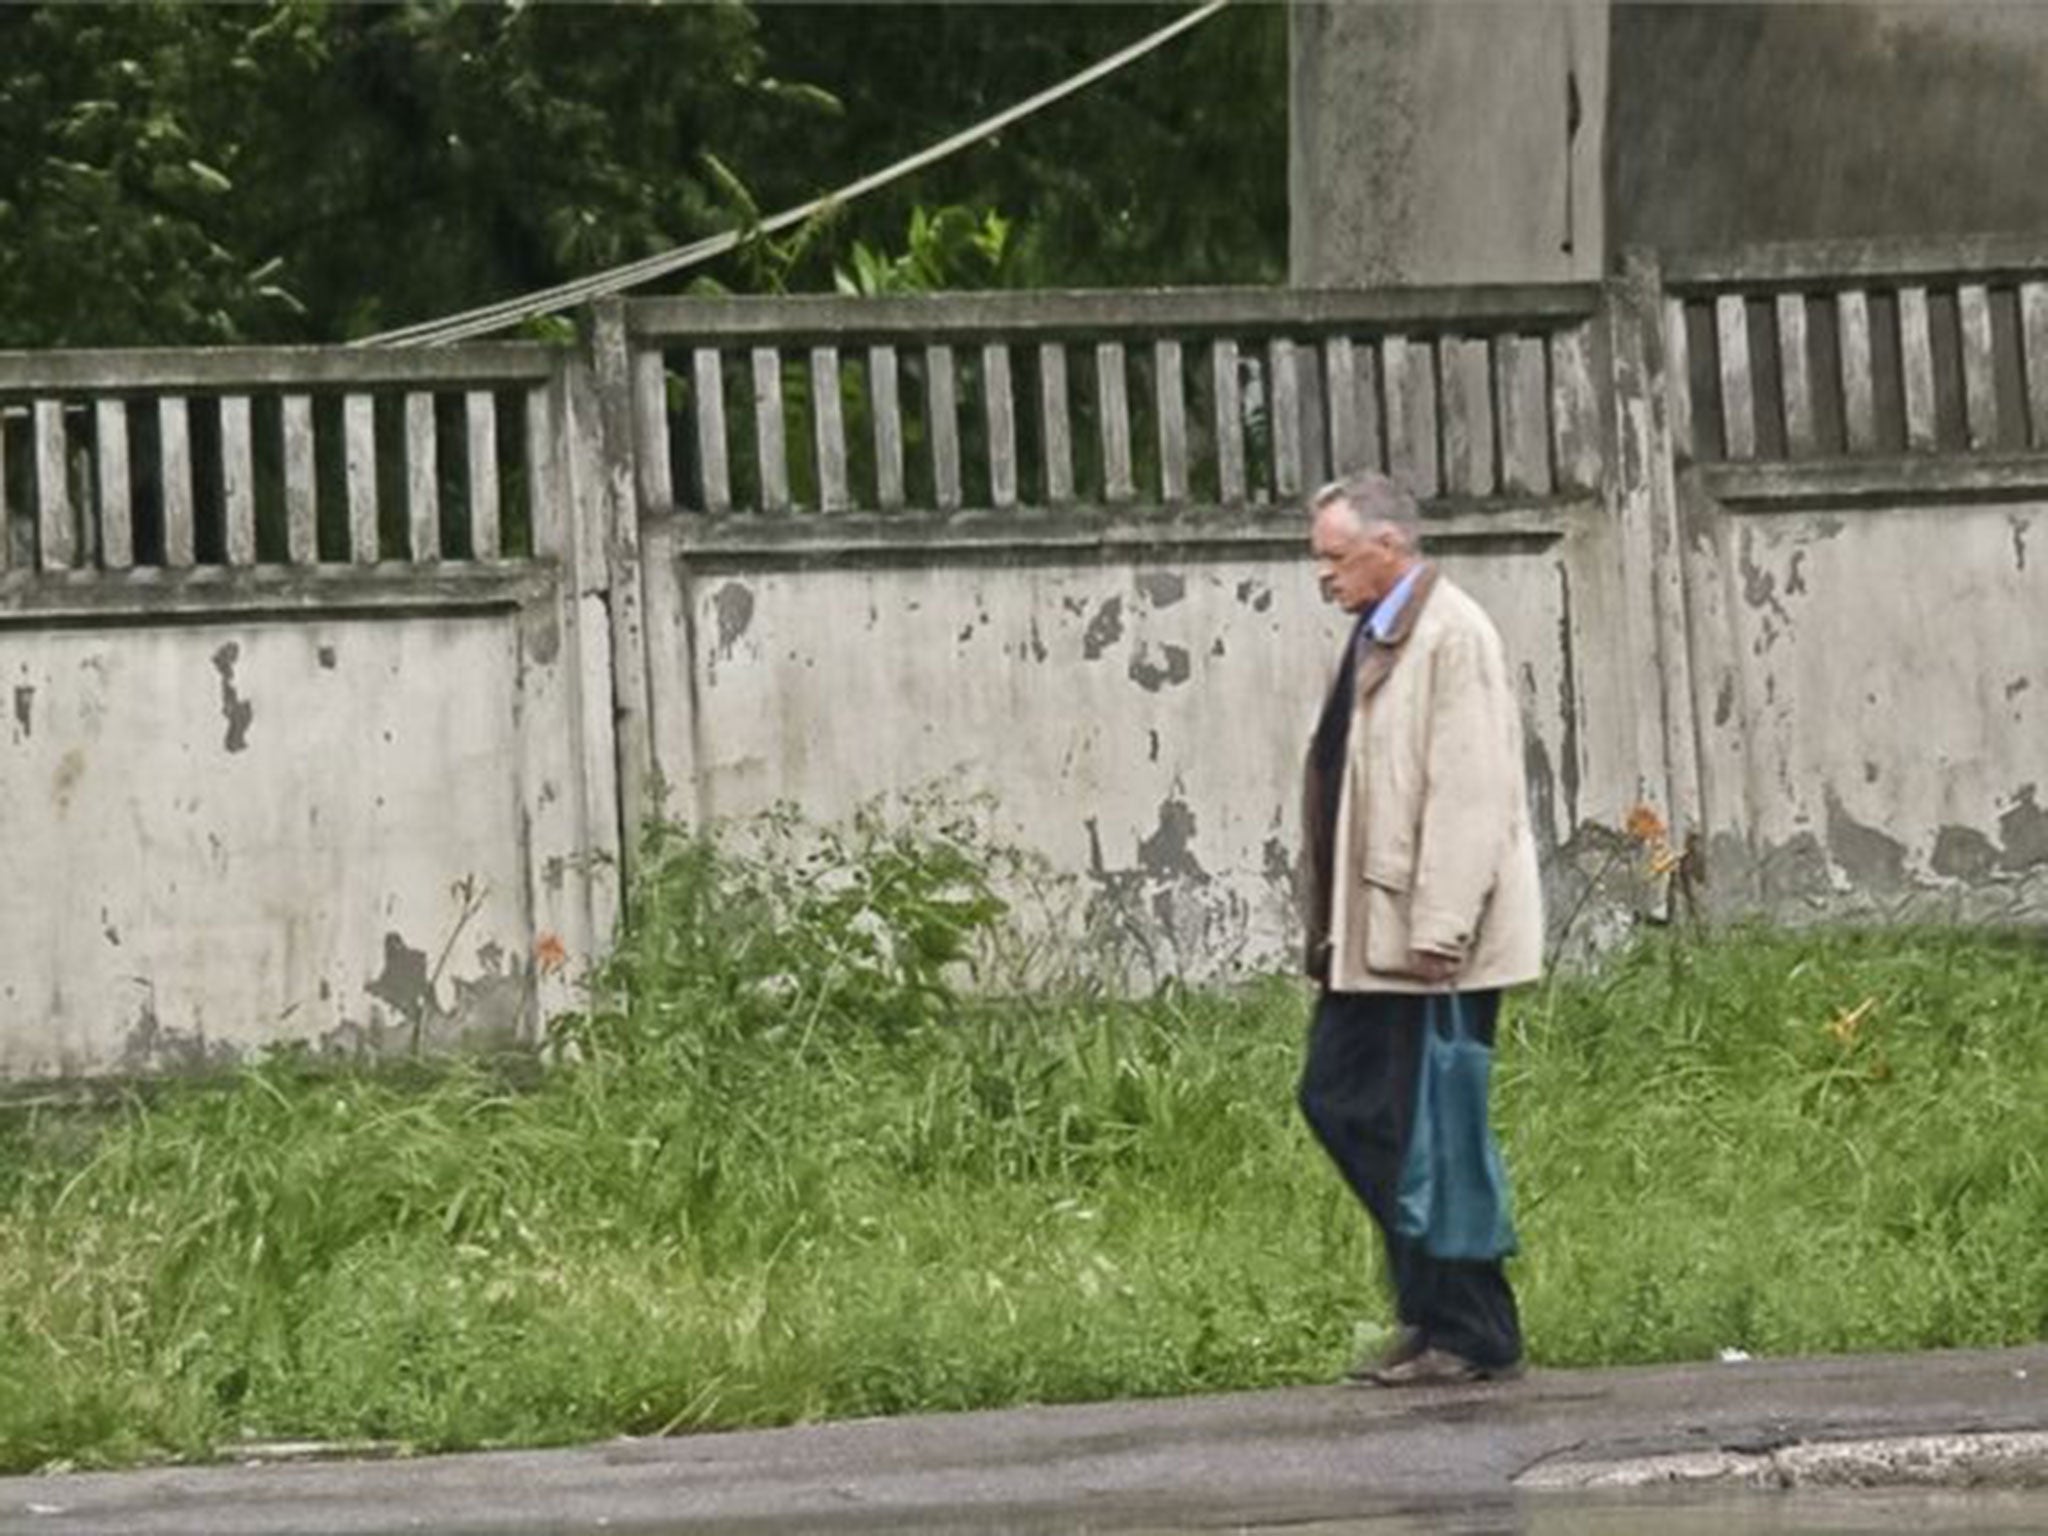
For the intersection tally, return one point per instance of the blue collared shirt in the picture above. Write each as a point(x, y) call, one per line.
point(1387, 611)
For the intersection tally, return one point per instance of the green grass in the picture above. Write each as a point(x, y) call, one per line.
point(795, 1177)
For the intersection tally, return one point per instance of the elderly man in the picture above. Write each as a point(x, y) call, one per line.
point(1421, 879)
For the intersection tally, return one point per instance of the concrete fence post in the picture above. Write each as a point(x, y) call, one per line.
point(1642, 498)
point(616, 506)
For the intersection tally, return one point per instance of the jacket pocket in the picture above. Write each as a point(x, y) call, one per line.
point(1386, 920)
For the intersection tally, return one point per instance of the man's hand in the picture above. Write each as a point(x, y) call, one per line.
point(1427, 965)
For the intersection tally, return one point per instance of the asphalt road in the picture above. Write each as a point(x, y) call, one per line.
point(1313, 1461)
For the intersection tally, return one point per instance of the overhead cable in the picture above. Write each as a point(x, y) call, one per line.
point(546, 301)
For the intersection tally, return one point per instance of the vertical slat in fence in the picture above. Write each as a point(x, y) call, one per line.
point(1113, 402)
point(480, 441)
point(54, 527)
point(828, 430)
point(1980, 383)
point(1340, 398)
point(885, 402)
point(422, 483)
point(707, 390)
point(1229, 402)
point(656, 485)
point(1859, 385)
point(1410, 373)
point(1171, 391)
point(301, 516)
point(1916, 362)
point(1468, 416)
point(942, 413)
point(117, 518)
point(2034, 358)
point(1795, 373)
point(174, 437)
point(999, 398)
point(543, 505)
point(238, 479)
point(771, 449)
point(1574, 410)
point(1738, 390)
point(1056, 425)
point(1284, 418)
point(1678, 380)
point(1523, 415)
point(359, 455)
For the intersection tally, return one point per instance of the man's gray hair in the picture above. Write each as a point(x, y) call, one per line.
point(1374, 499)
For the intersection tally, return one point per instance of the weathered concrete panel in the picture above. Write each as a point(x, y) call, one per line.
point(225, 834)
point(1737, 123)
point(1882, 701)
point(1139, 724)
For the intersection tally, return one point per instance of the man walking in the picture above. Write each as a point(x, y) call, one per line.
point(1421, 880)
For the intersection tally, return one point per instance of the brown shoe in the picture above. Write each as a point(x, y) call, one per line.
point(1441, 1368)
point(1406, 1344)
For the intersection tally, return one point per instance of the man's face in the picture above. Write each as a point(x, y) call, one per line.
point(1355, 566)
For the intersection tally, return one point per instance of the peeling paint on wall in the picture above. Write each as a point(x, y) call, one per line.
point(2023, 828)
point(733, 606)
point(1175, 668)
point(1870, 858)
point(148, 1046)
point(237, 711)
point(1162, 589)
point(1963, 853)
point(1104, 630)
point(403, 982)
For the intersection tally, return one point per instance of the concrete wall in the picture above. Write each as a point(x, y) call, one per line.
point(1429, 139)
point(1873, 722)
point(1139, 721)
point(1439, 142)
point(1737, 123)
point(357, 804)
point(236, 831)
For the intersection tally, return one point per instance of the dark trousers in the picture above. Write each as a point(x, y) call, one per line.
point(1358, 1094)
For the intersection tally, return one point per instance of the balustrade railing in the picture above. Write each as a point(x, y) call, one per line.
point(280, 456)
point(1012, 405)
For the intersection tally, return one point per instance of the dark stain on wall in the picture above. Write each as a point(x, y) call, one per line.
point(24, 710)
point(235, 709)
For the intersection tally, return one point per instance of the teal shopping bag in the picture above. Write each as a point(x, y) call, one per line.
point(1454, 1185)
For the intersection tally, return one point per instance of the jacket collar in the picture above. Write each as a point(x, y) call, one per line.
point(1380, 655)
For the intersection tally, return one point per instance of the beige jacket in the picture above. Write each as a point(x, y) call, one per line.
point(1433, 848)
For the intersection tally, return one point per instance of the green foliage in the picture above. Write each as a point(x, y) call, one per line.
point(306, 171)
point(952, 248)
point(867, 927)
point(297, 171)
point(792, 1167)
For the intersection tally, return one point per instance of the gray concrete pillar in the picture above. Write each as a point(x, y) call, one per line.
point(1446, 141)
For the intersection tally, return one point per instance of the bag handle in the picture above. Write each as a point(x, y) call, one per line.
point(1447, 1015)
